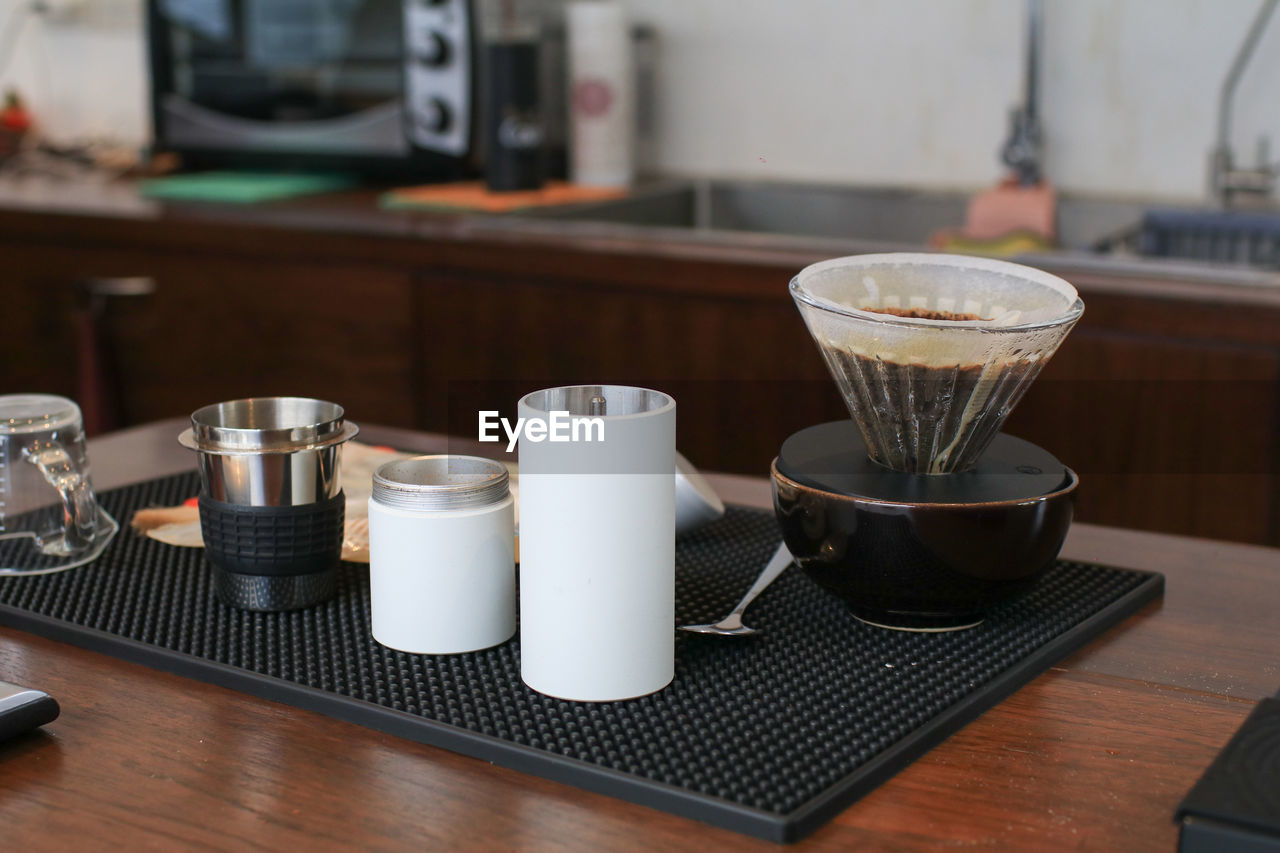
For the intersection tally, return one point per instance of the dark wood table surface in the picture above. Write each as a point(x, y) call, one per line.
point(1094, 754)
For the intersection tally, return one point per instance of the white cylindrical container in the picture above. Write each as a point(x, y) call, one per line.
point(602, 96)
point(442, 554)
point(597, 542)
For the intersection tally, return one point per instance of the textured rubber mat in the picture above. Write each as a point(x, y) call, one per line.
point(769, 736)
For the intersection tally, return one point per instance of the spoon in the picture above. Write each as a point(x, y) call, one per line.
point(731, 625)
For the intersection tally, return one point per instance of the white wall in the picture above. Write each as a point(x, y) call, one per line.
point(85, 78)
point(911, 92)
point(917, 92)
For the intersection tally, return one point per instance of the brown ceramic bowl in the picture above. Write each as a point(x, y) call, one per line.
point(923, 564)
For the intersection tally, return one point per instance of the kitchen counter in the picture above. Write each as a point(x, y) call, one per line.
point(1165, 397)
point(584, 226)
point(1094, 753)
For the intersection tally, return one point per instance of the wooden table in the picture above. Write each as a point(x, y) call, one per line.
point(1096, 753)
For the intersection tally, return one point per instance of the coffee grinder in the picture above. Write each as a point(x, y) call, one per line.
point(919, 513)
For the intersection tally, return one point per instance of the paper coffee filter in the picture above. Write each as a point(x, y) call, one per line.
point(930, 392)
point(1002, 296)
point(904, 344)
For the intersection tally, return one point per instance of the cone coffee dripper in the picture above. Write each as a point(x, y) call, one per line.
point(920, 515)
point(931, 352)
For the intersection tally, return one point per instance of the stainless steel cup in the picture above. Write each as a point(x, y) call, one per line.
point(271, 501)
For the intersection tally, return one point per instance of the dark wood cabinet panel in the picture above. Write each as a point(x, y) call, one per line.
point(38, 346)
point(219, 327)
point(744, 372)
point(1166, 397)
point(1167, 434)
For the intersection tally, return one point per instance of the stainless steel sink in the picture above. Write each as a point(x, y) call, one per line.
point(880, 214)
point(1095, 234)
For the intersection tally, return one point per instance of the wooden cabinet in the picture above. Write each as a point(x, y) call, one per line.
point(41, 322)
point(1166, 397)
point(1166, 434)
point(744, 372)
point(216, 327)
point(1167, 402)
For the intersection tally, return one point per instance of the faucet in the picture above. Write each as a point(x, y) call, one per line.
point(1226, 180)
point(1021, 150)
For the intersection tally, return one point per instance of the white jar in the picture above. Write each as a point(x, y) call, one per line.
point(602, 97)
point(442, 554)
point(597, 544)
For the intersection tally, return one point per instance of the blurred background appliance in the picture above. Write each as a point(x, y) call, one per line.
point(380, 87)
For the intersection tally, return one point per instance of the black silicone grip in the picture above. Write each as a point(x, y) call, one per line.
point(273, 540)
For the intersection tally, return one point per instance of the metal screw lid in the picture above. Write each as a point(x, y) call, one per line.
point(441, 482)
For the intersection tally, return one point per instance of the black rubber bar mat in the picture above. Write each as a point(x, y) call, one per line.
point(769, 736)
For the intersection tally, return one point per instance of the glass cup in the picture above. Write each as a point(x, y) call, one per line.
point(49, 518)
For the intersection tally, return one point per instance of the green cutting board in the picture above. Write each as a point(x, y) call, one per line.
point(241, 187)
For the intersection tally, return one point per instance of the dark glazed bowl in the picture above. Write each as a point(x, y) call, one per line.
point(918, 565)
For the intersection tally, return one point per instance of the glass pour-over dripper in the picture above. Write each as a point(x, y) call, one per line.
point(931, 352)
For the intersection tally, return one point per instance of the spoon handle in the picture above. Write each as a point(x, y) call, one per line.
point(780, 560)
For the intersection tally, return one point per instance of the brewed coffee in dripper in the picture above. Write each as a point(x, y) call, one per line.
point(931, 352)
